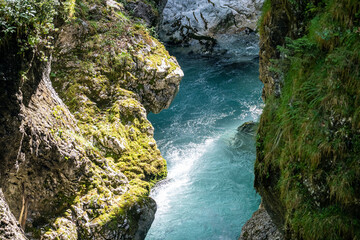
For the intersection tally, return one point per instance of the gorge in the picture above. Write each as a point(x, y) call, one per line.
point(209, 190)
point(80, 79)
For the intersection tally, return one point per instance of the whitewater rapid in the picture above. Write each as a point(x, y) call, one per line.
point(209, 192)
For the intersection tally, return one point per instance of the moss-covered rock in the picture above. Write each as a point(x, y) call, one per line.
point(307, 168)
point(79, 161)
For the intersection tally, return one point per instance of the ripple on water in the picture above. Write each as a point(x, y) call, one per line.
point(209, 191)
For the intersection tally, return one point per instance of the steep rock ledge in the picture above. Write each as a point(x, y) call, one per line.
point(307, 168)
point(80, 166)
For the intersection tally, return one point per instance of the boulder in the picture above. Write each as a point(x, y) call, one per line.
point(211, 25)
point(260, 227)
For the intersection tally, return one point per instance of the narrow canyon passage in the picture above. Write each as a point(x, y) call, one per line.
point(209, 191)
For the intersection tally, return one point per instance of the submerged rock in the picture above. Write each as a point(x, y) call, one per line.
point(245, 134)
point(248, 128)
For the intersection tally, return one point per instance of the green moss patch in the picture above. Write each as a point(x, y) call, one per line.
point(310, 135)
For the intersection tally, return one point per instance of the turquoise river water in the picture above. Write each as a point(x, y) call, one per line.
point(209, 191)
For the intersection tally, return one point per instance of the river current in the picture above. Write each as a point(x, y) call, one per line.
point(209, 191)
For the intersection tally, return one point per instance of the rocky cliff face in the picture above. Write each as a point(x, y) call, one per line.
point(78, 159)
point(210, 25)
point(307, 168)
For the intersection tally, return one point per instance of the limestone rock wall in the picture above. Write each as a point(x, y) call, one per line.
point(206, 25)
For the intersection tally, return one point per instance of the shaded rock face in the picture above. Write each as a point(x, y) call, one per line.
point(149, 12)
point(143, 11)
point(147, 215)
point(35, 162)
point(306, 172)
point(248, 128)
point(275, 28)
point(39, 167)
point(209, 25)
point(9, 228)
point(260, 227)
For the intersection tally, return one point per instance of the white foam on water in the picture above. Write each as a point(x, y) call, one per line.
point(208, 194)
point(179, 180)
point(255, 111)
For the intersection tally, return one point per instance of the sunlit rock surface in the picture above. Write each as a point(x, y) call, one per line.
point(260, 227)
point(208, 25)
point(77, 152)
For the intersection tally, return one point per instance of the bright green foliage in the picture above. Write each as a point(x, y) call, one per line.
point(31, 21)
point(310, 136)
point(265, 11)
